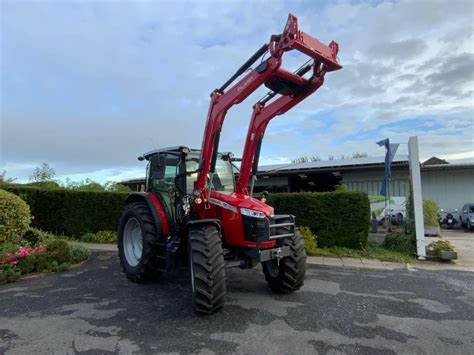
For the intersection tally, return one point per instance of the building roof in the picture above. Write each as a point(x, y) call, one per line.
point(434, 161)
point(401, 159)
point(347, 164)
point(449, 166)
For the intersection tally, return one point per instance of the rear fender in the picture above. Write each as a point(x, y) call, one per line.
point(156, 208)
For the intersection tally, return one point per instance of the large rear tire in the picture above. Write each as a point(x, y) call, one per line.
point(137, 242)
point(289, 275)
point(207, 267)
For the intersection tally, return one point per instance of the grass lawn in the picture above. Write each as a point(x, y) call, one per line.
point(371, 252)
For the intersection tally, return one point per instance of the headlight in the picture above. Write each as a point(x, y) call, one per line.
point(252, 213)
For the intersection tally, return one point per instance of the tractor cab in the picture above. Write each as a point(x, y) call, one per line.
point(172, 172)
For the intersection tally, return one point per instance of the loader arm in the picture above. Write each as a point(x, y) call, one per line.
point(292, 86)
point(262, 115)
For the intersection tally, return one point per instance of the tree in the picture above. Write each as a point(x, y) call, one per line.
point(43, 173)
point(116, 187)
point(359, 155)
point(305, 159)
point(84, 185)
point(4, 179)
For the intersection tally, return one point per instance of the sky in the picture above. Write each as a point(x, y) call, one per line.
point(87, 86)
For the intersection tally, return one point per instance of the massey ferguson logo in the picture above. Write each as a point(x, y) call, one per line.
point(223, 204)
point(245, 83)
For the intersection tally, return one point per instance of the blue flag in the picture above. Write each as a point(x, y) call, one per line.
point(391, 149)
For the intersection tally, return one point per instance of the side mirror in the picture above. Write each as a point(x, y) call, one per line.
point(158, 167)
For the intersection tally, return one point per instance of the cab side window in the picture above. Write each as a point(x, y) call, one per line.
point(163, 185)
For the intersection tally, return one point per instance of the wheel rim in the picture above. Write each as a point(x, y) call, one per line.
point(132, 242)
point(273, 268)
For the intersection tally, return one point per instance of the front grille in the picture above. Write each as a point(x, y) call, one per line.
point(255, 228)
point(263, 229)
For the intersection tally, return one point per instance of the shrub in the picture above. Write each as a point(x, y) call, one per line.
point(401, 242)
point(56, 267)
point(79, 253)
point(340, 188)
point(27, 265)
point(42, 262)
point(88, 238)
point(309, 240)
point(72, 212)
point(106, 237)
point(9, 273)
point(337, 218)
point(44, 184)
point(435, 248)
point(430, 213)
point(35, 236)
point(14, 217)
point(60, 251)
point(8, 247)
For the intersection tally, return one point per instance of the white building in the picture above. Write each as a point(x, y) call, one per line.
point(450, 185)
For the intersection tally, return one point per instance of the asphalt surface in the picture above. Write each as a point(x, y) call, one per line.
point(95, 309)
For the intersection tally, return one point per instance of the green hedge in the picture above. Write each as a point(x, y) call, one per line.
point(337, 218)
point(70, 212)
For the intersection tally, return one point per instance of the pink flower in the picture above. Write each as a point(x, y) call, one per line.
point(9, 258)
point(40, 249)
point(24, 252)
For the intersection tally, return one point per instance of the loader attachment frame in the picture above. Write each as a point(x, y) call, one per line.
point(292, 87)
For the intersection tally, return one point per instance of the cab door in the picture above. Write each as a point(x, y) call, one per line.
point(163, 170)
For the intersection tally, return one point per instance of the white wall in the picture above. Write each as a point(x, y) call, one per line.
point(371, 182)
point(450, 188)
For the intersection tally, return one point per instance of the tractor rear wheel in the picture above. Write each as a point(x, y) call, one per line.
point(289, 275)
point(207, 267)
point(137, 241)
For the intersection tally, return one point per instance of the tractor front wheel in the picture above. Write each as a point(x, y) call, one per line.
point(137, 242)
point(207, 266)
point(289, 274)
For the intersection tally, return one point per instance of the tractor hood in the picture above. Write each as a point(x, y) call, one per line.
point(235, 201)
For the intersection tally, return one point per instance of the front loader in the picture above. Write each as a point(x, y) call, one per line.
point(194, 214)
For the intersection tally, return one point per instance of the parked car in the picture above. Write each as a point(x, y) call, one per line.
point(467, 216)
point(397, 215)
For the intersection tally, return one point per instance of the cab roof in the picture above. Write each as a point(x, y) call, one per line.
point(175, 149)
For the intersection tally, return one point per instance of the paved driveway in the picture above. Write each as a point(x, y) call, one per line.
point(94, 309)
point(463, 242)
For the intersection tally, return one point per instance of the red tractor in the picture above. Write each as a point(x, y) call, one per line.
point(194, 214)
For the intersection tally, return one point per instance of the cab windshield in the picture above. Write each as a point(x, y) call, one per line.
point(223, 179)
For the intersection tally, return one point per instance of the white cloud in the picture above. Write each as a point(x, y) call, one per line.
point(88, 86)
